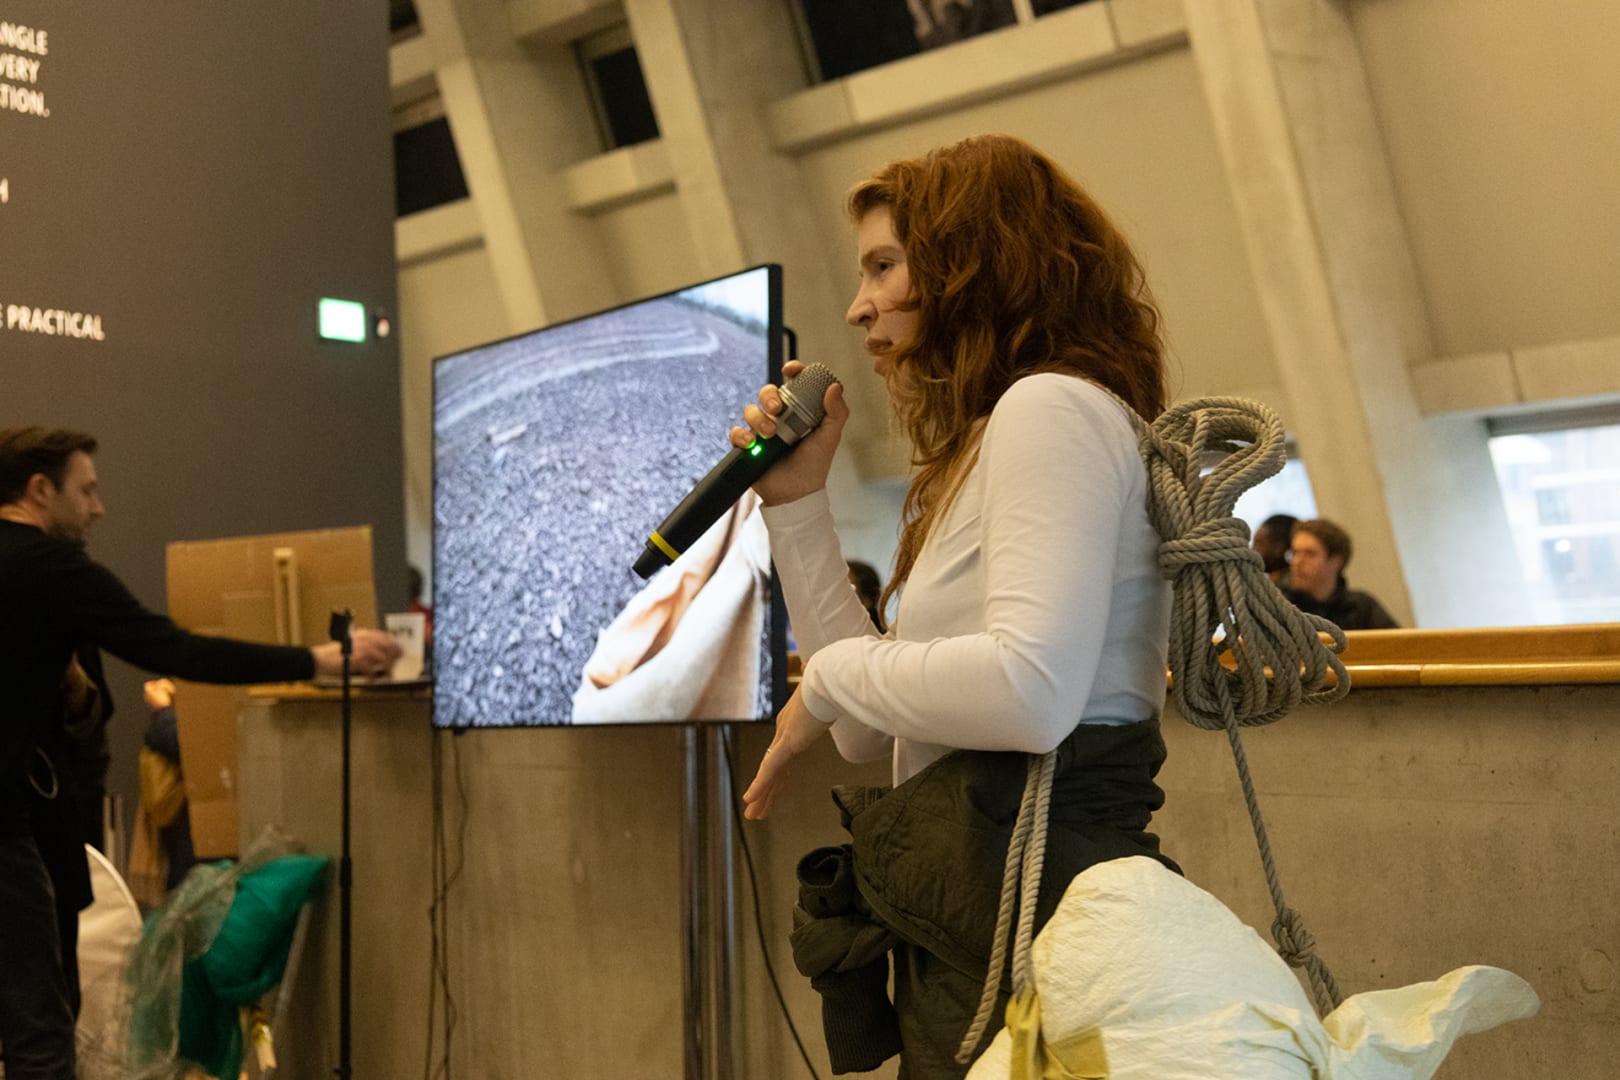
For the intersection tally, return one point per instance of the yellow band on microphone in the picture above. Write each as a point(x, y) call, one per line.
point(663, 545)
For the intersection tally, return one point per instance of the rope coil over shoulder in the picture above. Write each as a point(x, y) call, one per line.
point(1224, 606)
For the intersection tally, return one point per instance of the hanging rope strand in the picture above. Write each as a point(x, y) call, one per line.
point(1294, 942)
point(1224, 606)
point(1010, 875)
point(1045, 768)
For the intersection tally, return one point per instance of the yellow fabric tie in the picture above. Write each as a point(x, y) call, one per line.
point(1078, 1057)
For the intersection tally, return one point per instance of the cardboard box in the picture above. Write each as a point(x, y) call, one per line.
point(279, 588)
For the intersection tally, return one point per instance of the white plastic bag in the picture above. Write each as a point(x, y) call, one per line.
point(1171, 986)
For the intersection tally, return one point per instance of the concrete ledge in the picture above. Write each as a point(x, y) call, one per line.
point(559, 22)
point(1571, 369)
point(1473, 383)
point(410, 71)
point(993, 65)
point(1145, 22)
point(439, 231)
point(1533, 375)
point(619, 176)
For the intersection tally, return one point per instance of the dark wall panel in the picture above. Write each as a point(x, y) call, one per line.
point(197, 176)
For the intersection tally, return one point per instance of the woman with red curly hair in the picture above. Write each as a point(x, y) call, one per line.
point(1011, 324)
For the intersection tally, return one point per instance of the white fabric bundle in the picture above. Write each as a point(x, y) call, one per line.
point(1159, 978)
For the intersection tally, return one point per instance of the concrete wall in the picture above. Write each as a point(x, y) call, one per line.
point(647, 247)
point(1498, 120)
point(1415, 830)
point(1498, 126)
point(1421, 830)
point(565, 939)
point(460, 285)
point(1161, 181)
point(202, 181)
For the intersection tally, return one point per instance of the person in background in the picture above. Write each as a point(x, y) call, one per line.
point(54, 601)
point(1272, 540)
point(414, 582)
point(869, 587)
point(1010, 323)
point(1321, 550)
point(163, 738)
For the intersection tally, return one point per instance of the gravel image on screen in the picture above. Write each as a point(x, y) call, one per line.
point(555, 454)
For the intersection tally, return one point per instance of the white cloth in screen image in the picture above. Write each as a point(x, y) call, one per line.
point(687, 646)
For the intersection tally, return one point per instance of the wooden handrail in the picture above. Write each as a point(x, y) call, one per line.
point(1486, 656)
point(1494, 645)
point(1489, 656)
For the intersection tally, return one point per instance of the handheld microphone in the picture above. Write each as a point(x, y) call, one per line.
point(715, 494)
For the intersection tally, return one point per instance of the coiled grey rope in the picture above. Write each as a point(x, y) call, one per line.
point(1224, 605)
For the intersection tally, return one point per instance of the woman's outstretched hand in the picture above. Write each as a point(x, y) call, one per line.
point(796, 729)
point(805, 470)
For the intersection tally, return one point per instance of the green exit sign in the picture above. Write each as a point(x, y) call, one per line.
point(342, 320)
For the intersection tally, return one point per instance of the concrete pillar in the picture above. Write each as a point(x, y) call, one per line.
point(712, 68)
point(1304, 157)
point(519, 116)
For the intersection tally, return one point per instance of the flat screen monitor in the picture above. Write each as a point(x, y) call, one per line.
point(555, 454)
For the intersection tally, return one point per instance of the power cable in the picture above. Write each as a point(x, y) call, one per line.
point(444, 875)
point(759, 919)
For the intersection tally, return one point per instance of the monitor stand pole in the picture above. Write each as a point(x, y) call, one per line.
point(708, 910)
point(342, 621)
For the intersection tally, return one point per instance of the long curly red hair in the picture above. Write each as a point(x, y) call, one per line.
point(1014, 270)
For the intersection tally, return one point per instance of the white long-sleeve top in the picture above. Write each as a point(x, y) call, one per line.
point(1034, 605)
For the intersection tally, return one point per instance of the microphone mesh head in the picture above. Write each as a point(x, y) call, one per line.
point(807, 389)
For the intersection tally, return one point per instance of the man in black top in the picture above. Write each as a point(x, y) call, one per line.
point(1320, 552)
point(55, 599)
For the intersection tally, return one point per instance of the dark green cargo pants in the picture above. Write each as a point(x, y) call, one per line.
point(923, 877)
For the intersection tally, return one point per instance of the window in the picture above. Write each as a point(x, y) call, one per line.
point(402, 21)
point(1560, 481)
point(1289, 492)
point(847, 36)
point(624, 111)
point(427, 171)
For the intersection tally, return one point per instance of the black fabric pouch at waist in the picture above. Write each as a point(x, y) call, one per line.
point(929, 854)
